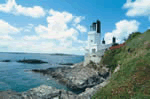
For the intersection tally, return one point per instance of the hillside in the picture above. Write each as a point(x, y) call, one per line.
point(133, 78)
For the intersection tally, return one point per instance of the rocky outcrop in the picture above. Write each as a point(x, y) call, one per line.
point(65, 63)
point(41, 92)
point(76, 77)
point(7, 94)
point(48, 92)
point(31, 61)
point(5, 61)
point(44, 92)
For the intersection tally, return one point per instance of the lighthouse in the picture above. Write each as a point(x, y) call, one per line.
point(94, 37)
point(95, 49)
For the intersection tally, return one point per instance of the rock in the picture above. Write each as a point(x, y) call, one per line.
point(117, 68)
point(65, 63)
point(44, 92)
point(48, 92)
point(5, 61)
point(6, 94)
point(76, 77)
point(32, 61)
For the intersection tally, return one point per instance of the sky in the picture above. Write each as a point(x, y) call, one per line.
point(62, 26)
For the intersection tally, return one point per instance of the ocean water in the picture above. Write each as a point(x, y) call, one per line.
point(13, 76)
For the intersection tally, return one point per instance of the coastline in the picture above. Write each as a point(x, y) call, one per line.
point(75, 77)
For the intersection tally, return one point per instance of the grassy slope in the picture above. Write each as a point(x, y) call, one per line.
point(133, 78)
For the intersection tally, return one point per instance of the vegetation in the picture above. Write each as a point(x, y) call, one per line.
point(132, 81)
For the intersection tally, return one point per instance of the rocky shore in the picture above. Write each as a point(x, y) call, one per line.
point(76, 77)
point(48, 92)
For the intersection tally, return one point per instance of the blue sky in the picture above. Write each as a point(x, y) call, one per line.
point(61, 26)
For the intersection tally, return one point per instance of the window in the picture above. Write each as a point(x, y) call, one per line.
point(94, 55)
point(93, 50)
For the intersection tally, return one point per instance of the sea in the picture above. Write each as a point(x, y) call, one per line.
point(13, 75)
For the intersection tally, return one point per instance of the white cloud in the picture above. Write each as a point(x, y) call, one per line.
point(81, 28)
point(78, 19)
point(58, 36)
point(22, 45)
point(6, 37)
point(60, 29)
point(58, 26)
point(6, 28)
point(123, 29)
point(28, 28)
point(31, 38)
point(137, 8)
point(12, 7)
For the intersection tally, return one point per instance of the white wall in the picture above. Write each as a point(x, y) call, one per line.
point(95, 37)
point(89, 56)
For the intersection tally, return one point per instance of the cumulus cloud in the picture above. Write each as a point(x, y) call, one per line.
point(6, 28)
point(81, 28)
point(62, 28)
point(59, 35)
point(6, 37)
point(29, 38)
point(123, 29)
point(137, 8)
point(31, 46)
point(27, 46)
point(78, 19)
point(28, 28)
point(12, 7)
point(58, 26)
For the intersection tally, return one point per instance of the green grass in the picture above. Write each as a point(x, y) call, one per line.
point(132, 81)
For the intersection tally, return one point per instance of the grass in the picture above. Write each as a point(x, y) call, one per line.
point(132, 81)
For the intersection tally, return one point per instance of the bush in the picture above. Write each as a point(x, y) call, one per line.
point(110, 58)
point(133, 35)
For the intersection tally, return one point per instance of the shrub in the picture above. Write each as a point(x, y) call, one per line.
point(133, 35)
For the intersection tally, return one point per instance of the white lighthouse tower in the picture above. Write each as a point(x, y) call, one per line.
point(95, 49)
point(94, 37)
